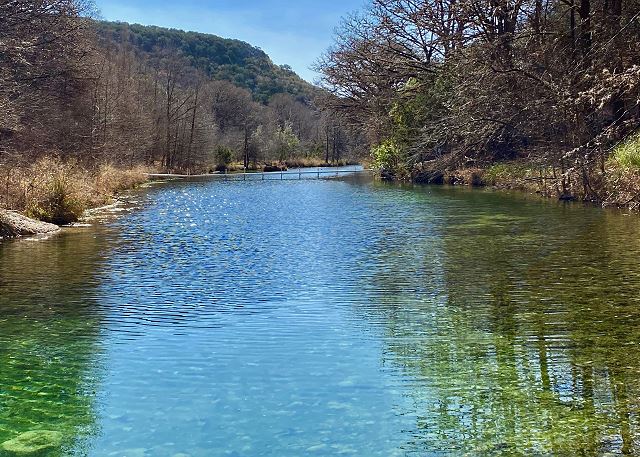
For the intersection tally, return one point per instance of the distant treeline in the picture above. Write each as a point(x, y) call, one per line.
point(447, 84)
point(124, 94)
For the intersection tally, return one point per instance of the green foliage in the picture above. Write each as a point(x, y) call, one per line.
point(505, 172)
point(627, 154)
point(235, 61)
point(416, 105)
point(285, 142)
point(408, 112)
point(388, 156)
point(223, 155)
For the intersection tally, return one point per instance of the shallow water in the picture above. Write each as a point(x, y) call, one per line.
point(326, 317)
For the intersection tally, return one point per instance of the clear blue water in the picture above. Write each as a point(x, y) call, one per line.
point(326, 317)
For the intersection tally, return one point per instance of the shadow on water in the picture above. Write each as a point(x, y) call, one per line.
point(49, 338)
point(518, 327)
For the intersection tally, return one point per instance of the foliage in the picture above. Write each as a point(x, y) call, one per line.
point(388, 156)
point(627, 154)
point(223, 155)
point(221, 59)
point(505, 172)
point(461, 85)
point(285, 142)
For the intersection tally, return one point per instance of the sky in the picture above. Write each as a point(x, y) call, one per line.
point(292, 32)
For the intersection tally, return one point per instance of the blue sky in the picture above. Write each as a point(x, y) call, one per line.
point(291, 32)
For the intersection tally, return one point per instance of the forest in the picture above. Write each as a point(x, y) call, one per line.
point(539, 94)
point(89, 106)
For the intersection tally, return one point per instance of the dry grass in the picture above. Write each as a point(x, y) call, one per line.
point(58, 191)
point(110, 180)
point(622, 187)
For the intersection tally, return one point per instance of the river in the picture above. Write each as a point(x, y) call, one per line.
point(326, 317)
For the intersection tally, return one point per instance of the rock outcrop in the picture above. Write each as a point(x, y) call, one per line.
point(13, 225)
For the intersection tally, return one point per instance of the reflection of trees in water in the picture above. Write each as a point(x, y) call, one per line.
point(525, 343)
point(49, 330)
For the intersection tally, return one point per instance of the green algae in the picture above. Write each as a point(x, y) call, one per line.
point(36, 443)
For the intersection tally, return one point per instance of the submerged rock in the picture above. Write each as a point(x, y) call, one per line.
point(13, 224)
point(32, 444)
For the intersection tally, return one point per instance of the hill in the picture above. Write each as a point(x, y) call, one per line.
point(224, 59)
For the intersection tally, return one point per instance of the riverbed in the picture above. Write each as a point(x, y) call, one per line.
point(326, 317)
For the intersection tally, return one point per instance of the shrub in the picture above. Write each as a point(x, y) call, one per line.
point(223, 155)
point(389, 158)
point(505, 173)
point(55, 191)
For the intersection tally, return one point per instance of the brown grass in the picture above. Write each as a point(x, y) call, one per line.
point(622, 188)
point(58, 191)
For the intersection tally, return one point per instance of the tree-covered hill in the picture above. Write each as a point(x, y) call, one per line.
point(230, 60)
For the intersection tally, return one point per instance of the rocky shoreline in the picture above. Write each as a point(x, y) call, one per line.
point(14, 225)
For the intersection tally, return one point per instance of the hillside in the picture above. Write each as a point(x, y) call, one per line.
point(87, 107)
point(230, 60)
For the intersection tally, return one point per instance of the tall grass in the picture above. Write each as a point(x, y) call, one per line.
point(58, 191)
point(627, 154)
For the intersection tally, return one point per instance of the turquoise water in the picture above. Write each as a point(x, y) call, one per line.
point(326, 317)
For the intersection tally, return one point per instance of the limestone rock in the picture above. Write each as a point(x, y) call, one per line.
point(13, 224)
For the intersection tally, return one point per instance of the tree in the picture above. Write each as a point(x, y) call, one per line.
point(456, 83)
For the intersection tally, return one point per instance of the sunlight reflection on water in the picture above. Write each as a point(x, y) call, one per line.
point(337, 317)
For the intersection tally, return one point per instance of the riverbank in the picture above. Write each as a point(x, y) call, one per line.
point(611, 186)
point(611, 179)
point(58, 192)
